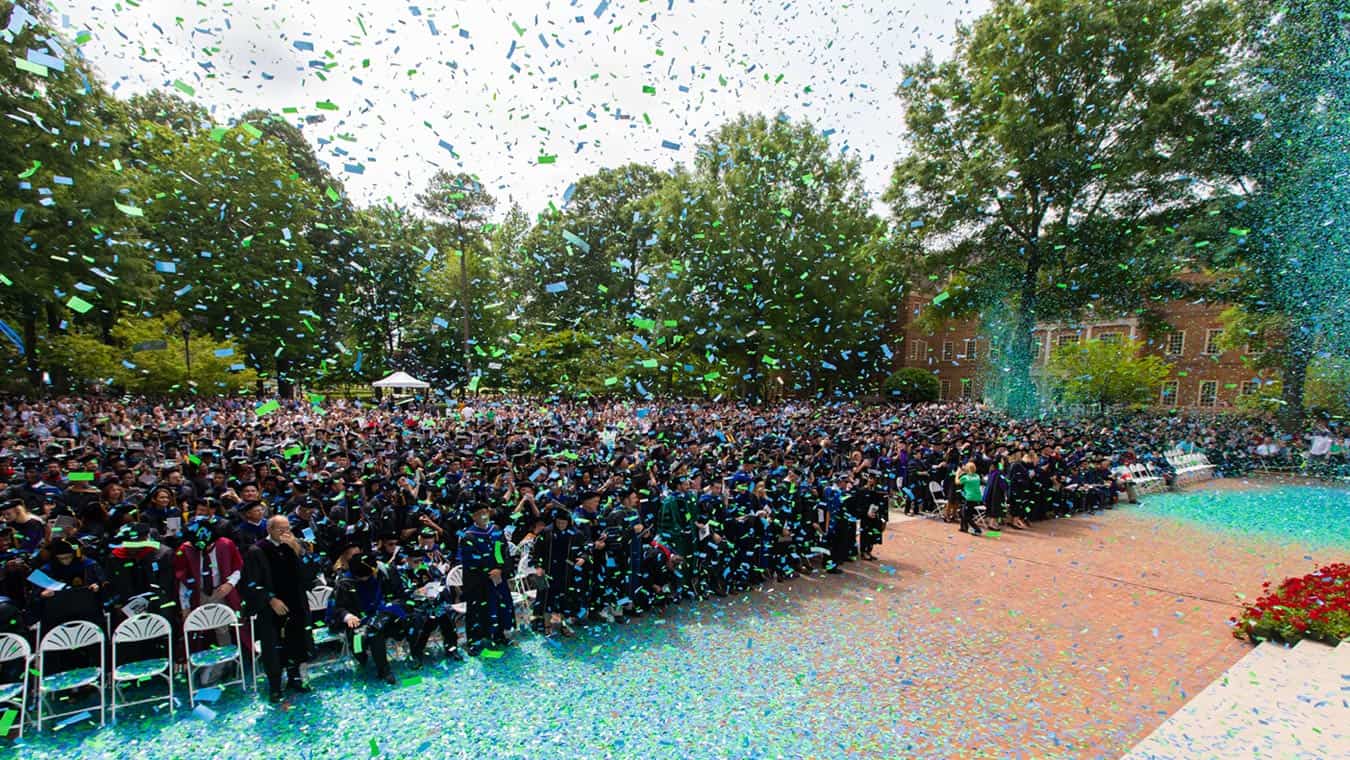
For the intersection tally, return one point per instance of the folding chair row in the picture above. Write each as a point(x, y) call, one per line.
point(1190, 466)
point(117, 680)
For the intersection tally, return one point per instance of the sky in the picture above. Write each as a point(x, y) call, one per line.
point(528, 95)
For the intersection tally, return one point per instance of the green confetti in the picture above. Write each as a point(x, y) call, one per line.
point(31, 170)
point(79, 305)
point(76, 477)
point(268, 408)
point(30, 67)
point(547, 159)
point(184, 87)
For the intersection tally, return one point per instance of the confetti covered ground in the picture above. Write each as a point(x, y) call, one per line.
point(1312, 515)
point(1073, 640)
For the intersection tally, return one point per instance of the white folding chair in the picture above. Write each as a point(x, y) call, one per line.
point(146, 626)
point(522, 596)
point(317, 598)
point(14, 696)
point(206, 619)
point(455, 579)
point(939, 499)
point(67, 637)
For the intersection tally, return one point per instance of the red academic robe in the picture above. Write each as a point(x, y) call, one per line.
point(187, 564)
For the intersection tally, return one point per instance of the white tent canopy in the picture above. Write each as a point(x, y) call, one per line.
point(400, 380)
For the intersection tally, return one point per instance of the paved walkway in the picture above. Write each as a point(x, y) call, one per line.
point(1073, 639)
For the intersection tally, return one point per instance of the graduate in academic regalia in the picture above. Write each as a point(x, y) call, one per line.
point(558, 558)
point(870, 509)
point(362, 609)
point(81, 582)
point(483, 555)
point(841, 533)
point(273, 592)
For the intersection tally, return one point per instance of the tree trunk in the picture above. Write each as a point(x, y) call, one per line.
point(53, 318)
point(1020, 391)
point(1298, 351)
point(464, 304)
point(285, 385)
point(106, 321)
point(30, 346)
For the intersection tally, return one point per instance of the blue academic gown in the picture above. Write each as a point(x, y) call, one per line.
point(488, 612)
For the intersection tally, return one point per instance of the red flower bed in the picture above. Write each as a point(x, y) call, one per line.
point(1315, 606)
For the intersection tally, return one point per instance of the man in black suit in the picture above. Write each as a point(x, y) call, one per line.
point(273, 591)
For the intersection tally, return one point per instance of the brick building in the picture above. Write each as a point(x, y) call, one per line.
point(1202, 375)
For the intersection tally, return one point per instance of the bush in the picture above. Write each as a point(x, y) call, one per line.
point(911, 384)
point(1315, 606)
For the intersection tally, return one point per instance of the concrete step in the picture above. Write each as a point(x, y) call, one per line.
point(1275, 702)
point(1341, 658)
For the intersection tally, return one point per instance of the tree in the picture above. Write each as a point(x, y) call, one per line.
point(1101, 372)
point(1049, 157)
point(388, 284)
point(460, 200)
point(1280, 240)
point(600, 245)
point(71, 226)
point(765, 241)
point(231, 214)
point(149, 356)
point(911, 385)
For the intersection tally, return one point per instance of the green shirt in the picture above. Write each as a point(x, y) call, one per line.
point(970, 486)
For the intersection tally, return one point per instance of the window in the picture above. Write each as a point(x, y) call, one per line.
point(1109, 337)
point(1169, 393)
point(1212, 342)
point(918, 349)
point(1176, 343)
point(993, 350)
point(944, 390)
point(967, 388)
point(948, 351)
point(972, 349)
point(1251, 387)
point(1065, 340)
point(1209, 393)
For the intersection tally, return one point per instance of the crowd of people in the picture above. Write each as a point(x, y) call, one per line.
point(421, 517)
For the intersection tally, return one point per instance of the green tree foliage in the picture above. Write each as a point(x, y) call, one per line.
point(1280, 243)
point(911, 385)
point(387, 284)
point(64, 234)
point(602, 243)
point(1048, 158)
point(1326, 390)
point(1101, 372)
point(465, 207)
point(148, 356)
point(231, 214)
point(765, 239)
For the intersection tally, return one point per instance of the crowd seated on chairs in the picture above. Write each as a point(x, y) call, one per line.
point(131, 527)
